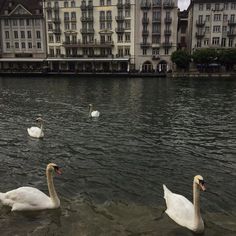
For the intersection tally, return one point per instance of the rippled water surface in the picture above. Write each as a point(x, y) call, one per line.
point(151, 131)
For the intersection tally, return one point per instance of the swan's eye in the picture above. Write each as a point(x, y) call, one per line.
point(201, 181)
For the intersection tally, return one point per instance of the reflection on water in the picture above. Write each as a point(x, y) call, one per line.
point(151, 131)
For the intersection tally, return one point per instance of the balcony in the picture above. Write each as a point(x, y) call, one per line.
point(168, 4)
point(86, 18)
point(120, 18)
point(158, 33)
point(167, 44)
point(120, 30)
point(200, 34)
point(145, 32)
point(231, 22)
point(145, 20)
point(87, 31)
point(167, 32)
point(56, 20)
point(156, 4)
point(56, 31)
point(119, 5)
point(83, 6)
point(156, 20)
point(155, 57)
point(145, 5)
point(231, 33)
point(145, 45)
point(168, 20)
point(200, 23)
point(92, 44)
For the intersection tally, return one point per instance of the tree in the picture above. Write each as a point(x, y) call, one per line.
point(181, 58)
point(227, 57)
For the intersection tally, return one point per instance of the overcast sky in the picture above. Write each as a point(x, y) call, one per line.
point(183, 4)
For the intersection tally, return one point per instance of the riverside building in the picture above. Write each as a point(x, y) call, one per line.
point(211, 24)
point(22, 35)
point(110, 35)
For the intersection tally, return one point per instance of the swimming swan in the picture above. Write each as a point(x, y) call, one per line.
point(35, 131)
point(31, 199)
point(93, 113)
point(182, 211)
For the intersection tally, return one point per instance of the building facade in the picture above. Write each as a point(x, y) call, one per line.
point(22, 39)
point(212, 24)
point(111, 35)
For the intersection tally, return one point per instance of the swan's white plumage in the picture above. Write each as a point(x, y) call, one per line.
point(29, 198)
point(26, 198)
point(35, 132)
point(179, 208)
point(95, 114)
point(182, 211)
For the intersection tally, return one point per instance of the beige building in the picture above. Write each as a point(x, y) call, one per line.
point(212, 24)
point(111, 35)
point(22, 41)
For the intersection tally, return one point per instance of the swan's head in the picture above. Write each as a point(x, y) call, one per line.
point(39, 119)
point(198, 179)
point(90, 105)
point(54, 168)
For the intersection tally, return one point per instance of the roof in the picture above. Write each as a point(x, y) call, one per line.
point(33, 6)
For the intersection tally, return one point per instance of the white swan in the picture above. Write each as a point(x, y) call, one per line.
point(93, 113)
point(36, 132)
point(182, 211)
point(29, 198)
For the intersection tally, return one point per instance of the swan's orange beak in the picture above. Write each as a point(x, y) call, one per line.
point(58, 171)
point(203, 186)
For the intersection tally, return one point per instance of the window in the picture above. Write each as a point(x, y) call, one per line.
point(208, 6)
point(58, 38)
point(225, 18)
point(199, 43)
point(127, 24)
point(233, 6)
point(16, 45)
point(166, 51)
point(28, 22)
point(102, 3)
point(109, 15)
point(67, 26)
point(216, 29)
point(207, 29)
point(51, 52)
point(38, 45)
point(207, 18)
point(217, 17)
point(200, 7)
point(217, 7)
point(155, 51)
point(120, 38)
point(66, 16)
point(22, 34)
point(226, 6)
point(120, 51)
point(102, 25)
point(58, 51)
point(144, 51)
point(38, 34)
point(29, 35)
point(23, 45)
point(224, 28)
point(14, 22)
point(66, 4)
point(73, 15)
point(73, 26)
point(127, 51)
point(37, 22)
point(16, 34)
point(223, 42)
point(6, 22)
point(72, 3)
point(206, 42)
point(102, 15)
point(7, 34)
point(230, 42)
point(50, 38)
point(108, 2)
point(7, 45)
point(109, 25)
point(50, 26)
point(155, 39)
point(215, 41)
point(29, 45)
point(127, 37)
point(22, 22)
point(127, 12)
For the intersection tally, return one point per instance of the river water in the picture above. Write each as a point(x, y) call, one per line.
point(151, 131)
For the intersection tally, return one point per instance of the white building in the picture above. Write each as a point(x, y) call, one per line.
point(212, 24)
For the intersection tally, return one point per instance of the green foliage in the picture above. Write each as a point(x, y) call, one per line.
point(181, 58)
point(227, 57)
point(205, 56)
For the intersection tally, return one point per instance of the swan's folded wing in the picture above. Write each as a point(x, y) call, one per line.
point(180, 209)
point(26, 198)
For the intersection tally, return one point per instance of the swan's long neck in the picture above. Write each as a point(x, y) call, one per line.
point(90, 110)
point(196, 202)
point(51, 189)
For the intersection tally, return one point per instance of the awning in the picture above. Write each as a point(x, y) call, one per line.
point(87, 59)
point(21, 60)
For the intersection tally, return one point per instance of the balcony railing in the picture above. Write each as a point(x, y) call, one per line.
point(168, 4)
point(145, 20)
point(56, 20)
point(86, 18)
point(145, 5)
point(156, 33)
point(145, 44)
point(56, 31)
point(200, 34)
point(168, 20)
point(120, 30)
point(92, 44)
point(167, 32)
point(200, 23)
point(232, 22)
point(155, 57)
point(120, 18)
point(145, 32)
point(119, 5)
point(156, 20)
point(156, 4)
point(167, 44)
point(231, 33)
point(87, 31)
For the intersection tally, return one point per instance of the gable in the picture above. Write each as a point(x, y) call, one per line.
point(20, 10)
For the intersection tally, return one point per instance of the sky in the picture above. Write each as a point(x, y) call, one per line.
point(183, 4)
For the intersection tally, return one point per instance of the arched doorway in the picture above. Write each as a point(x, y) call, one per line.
point(147, 67)
point(162, 66)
